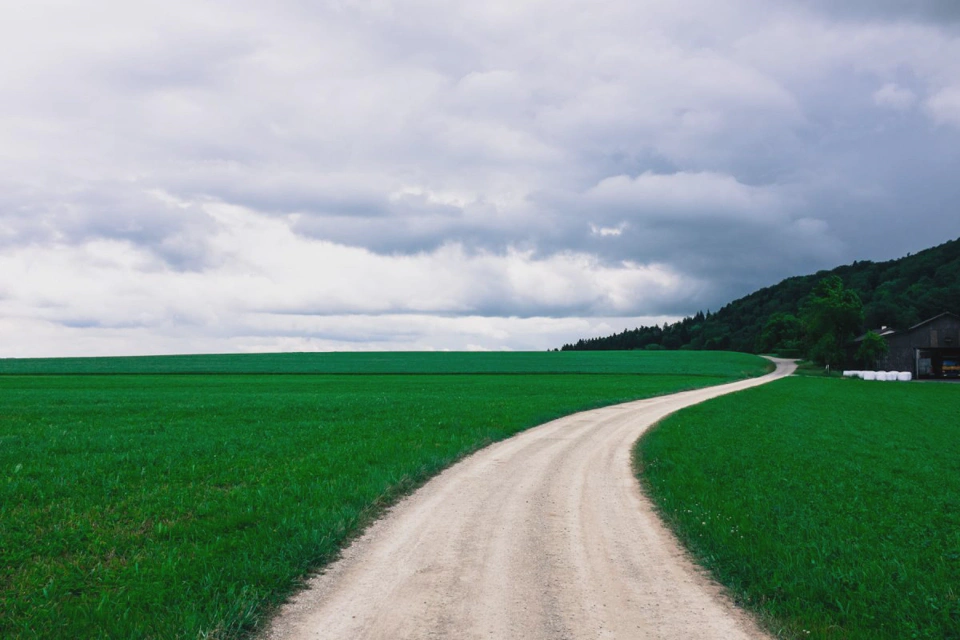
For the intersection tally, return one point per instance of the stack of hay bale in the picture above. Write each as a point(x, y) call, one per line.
point(888, 376)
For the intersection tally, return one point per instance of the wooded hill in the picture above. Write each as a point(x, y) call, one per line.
point(897, 293)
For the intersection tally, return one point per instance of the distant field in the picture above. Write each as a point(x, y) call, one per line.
point(830, 506)
point(652, 362)
point(186, 506)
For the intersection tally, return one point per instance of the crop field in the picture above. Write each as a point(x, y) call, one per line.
point(831, 507)
point(138, 505)
point(414, 362)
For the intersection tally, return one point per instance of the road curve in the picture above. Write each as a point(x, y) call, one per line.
point(542, 536)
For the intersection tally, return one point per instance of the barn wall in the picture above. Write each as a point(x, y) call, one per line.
point(900, 357)
point(940, 333)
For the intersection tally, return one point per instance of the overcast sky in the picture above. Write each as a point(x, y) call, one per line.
point(203, 176)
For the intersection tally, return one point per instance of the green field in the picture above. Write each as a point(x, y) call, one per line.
point(186, 506)
point(412, 362)
point(829, 506)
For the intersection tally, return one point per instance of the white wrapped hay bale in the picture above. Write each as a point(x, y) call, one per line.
point(891, 376)
point(849, 374)
point(904, 376)
point(869, 375)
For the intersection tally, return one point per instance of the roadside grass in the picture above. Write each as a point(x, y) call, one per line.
point(716, 363)
point(829, 507)
point(810, 369)
point(189, 506)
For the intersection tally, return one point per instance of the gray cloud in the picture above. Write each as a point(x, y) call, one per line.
point(174, 232)
point(448, 159)
point(929, 10)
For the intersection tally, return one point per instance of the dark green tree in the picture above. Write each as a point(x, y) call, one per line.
point(781, 331)
point(872, 348)
point(897, 293)
point(831, 316)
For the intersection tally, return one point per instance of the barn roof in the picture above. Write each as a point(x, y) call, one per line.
point(929, 320)
point(883, 332)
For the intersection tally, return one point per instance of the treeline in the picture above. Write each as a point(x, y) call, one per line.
point(896, 293)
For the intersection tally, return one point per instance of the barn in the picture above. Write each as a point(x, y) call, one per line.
point(930, 349)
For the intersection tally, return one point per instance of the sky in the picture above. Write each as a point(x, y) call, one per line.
point(203, 176)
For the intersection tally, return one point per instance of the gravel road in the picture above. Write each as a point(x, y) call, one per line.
point(542, 536)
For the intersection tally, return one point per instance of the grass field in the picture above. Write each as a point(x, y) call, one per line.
point(186, 506)
point(830, 506)
point(414, 362)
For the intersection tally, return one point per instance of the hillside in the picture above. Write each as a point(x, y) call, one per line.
point(896, 293)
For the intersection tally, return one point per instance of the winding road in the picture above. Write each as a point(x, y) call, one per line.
point(542, 536)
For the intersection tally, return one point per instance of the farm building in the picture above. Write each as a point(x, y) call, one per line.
point(930, 349)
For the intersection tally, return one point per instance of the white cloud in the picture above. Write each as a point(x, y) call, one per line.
point(944, 106)
point(274, 285)
point(605, 232)
point(894, 96)
point(687, 195)
point(314, 333)
point(177, 170)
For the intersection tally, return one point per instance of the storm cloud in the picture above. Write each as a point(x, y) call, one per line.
point(212, 176)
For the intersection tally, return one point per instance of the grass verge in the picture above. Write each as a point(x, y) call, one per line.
point(186, 506)
point(830, 507)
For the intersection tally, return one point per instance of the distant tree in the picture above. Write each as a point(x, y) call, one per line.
point(896, 293)
point(671, 342)
point(826, 351)
point(717, 344)
point(781, 331)
point(886, 312)
point(872, 348)
point(830, 315)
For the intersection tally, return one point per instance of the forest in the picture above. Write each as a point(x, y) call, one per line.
point(896, 293)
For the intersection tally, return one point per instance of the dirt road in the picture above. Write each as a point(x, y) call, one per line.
point(542, 536)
